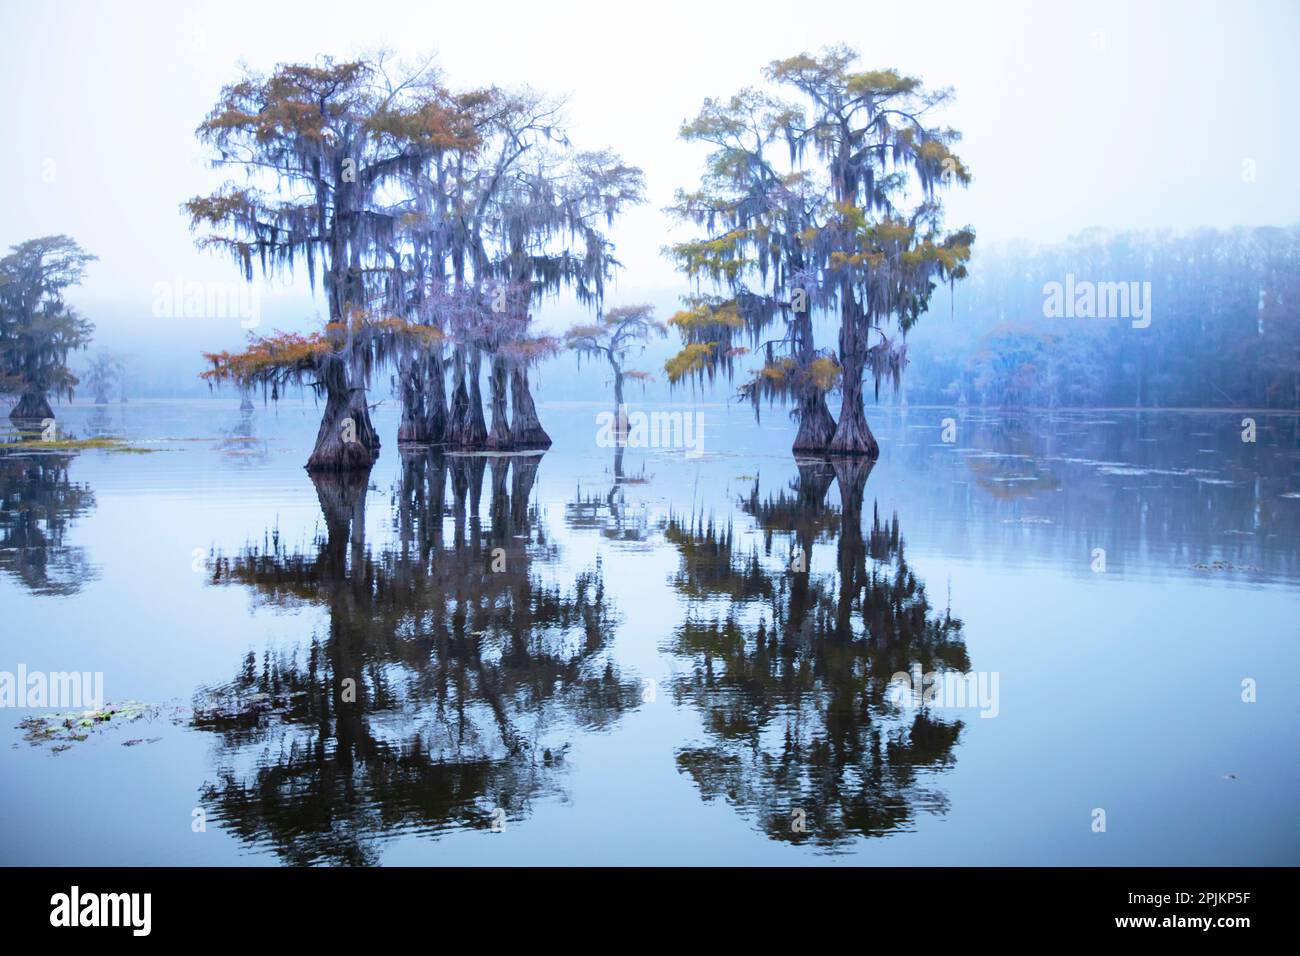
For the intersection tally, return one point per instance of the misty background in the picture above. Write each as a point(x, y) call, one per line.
point(1161, 118)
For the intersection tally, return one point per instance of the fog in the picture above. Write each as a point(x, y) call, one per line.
point(1074, 115)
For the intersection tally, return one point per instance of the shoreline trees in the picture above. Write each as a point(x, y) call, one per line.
point(37, 327)
point(830, 204)
point(1225, 330)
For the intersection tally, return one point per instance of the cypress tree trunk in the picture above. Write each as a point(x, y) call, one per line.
point(816, 426)
point(527, 427)
point(424, 408)
point(476, 425)
point(458, 413)
point(620, 409)
point(499, 438)
point(347, 440)
point(33, 405)
point(852, 435)
point(410, 387)
point(435, 401)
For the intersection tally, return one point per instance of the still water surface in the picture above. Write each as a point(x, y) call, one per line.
point(647, 658)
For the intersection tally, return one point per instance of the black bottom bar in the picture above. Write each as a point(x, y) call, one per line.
point(334, 906)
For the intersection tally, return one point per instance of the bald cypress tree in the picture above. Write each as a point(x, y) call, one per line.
point(37, 326)
point(316, 145)
point(826, 203)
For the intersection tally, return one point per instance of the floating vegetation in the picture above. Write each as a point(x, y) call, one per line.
point(64, 729)
point(32, 442)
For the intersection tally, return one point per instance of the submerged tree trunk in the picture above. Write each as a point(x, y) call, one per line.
point(435, 401)
point(816, 426)
point(527, 427)
point(458, 413)
point(424, 408)
point(347, 441)
point(852, 434)
point(499, 438)
point(475, 426)
point(32, 405)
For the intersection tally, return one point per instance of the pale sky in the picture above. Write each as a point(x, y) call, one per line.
point(1118, 114)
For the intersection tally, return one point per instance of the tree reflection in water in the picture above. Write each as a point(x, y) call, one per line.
point(472, 673)
point(609, 513)
point(790, 665)
point(38, 504)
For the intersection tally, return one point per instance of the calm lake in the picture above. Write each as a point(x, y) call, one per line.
point(645, 656)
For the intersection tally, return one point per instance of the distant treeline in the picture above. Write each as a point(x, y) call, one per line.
point(1224, 325)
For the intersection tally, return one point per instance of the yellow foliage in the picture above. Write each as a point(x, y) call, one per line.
point(703, 315)
point(824, 372)
point(691, 359)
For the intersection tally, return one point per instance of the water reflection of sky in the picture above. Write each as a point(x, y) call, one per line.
point(1118, 690)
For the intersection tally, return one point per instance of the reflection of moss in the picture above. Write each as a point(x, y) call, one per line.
point(38, 504)
point(443, 692)
point(792, 691)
